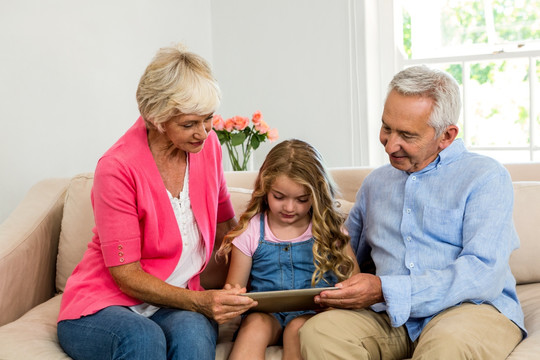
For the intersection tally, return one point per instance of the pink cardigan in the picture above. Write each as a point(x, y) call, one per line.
point(135, 220)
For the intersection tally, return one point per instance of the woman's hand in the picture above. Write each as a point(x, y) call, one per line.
point(359, 291)
point(223, 305)
point(220, 305)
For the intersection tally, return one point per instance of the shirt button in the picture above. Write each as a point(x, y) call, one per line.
point(414, 177)
point(409, 238)
point(120, 247)
point(122, 260)
point(411, 265)
point(408, 211)
point(120, 254)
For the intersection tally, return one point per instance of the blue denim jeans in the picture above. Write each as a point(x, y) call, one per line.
point(117, 332)
point(283, 266)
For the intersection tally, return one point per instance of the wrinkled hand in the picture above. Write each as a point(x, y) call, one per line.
point(359, 291)
point(223, 305)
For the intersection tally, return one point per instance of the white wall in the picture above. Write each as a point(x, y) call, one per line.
point(68, 75)
point(317, 69)
point(292, 60)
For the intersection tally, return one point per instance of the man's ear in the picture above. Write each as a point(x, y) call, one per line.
point(448, 136)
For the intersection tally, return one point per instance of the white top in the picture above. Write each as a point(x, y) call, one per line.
point(193, 252)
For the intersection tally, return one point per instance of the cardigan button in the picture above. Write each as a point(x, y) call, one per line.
point(122, 260)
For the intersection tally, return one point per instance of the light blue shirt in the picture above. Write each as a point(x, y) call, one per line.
point(438, 237)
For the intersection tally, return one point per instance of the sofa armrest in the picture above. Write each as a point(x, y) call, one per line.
point(28, 249)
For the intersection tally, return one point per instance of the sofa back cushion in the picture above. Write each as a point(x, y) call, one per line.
point(239, 199)
point(525, 171)
point(524, 261)
point(78, 220)
point(76, 227)
point(347, 179)
point(241, 196)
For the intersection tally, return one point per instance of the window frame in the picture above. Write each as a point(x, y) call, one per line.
point(465, 60)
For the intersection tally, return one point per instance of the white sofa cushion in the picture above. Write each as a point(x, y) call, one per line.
point(524, 261)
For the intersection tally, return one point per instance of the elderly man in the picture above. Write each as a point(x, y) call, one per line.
point(437, 224)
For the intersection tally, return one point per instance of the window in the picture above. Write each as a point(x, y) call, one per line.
point(492, 48)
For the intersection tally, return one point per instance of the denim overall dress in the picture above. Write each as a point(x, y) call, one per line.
point(285, 266)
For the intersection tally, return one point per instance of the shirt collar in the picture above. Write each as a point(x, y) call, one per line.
point(447, 156)
point(452, 152)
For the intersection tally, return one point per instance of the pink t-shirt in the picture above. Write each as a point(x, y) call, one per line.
point(135, 220)
point(248, 241)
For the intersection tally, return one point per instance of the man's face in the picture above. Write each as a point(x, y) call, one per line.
point(405, 134)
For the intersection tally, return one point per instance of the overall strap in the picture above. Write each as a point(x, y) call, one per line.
point(261, 238)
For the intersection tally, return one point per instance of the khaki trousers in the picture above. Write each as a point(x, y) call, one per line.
point(467, 331)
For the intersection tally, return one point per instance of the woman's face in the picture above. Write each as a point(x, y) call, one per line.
point(188, 132)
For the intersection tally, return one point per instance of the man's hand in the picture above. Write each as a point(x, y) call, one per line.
point(359, 291)
point(223, 305)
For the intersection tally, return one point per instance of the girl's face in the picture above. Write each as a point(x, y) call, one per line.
point(289, 203)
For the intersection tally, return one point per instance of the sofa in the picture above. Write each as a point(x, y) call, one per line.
point(46, 235)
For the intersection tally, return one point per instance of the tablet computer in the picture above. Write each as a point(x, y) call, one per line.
point(286, 300)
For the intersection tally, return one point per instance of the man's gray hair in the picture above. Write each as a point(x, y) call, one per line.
point(435, 84)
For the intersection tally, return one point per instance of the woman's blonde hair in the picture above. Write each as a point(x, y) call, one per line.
point(304, 165)
point(176, 82)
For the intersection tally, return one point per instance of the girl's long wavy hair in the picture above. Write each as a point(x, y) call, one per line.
point(303, 164)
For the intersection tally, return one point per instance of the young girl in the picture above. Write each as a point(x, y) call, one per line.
point(289, 237)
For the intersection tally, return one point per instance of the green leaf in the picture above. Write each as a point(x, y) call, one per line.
point(238, 138)
point(222, 138)
point(255, 142)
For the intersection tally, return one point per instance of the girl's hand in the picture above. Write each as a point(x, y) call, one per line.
point(223, 305)
point(229, 286)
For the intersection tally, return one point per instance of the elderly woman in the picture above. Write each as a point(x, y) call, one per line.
point(161, 206)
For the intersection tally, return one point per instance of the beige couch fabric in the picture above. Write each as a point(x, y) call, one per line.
point(529, 296)
point(28, 239)
point(31, 240)
point(76, 229)
point(527, 222)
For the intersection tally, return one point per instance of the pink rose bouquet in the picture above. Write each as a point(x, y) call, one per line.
point(242, 139)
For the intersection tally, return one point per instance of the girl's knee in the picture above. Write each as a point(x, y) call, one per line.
point(256, 318)
point(295, 324)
